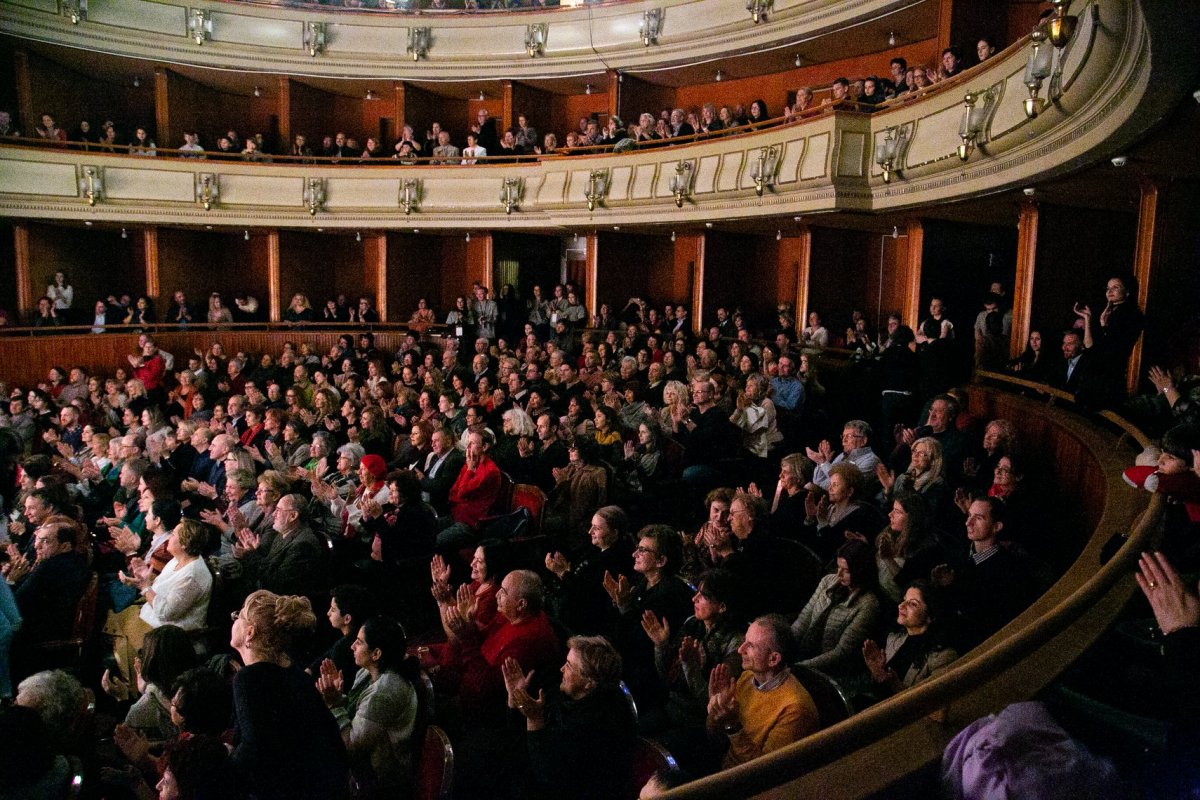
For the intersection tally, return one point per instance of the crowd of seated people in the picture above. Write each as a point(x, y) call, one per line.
point(702, 537)
point(484, 138)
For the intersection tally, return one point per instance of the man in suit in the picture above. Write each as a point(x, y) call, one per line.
point(48, 592)
point(1076, 373)
point(440, 471)
point(288, 560)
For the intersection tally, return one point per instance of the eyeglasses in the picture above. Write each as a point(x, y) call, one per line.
point(234, 616)
point(640, 549)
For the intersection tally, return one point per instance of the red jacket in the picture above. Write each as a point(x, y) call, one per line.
point(151, 372)
point(475, 491)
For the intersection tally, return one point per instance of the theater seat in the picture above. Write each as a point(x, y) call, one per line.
point(833, 705)
point(69, 651)
point(435, 767)
point(648, 758)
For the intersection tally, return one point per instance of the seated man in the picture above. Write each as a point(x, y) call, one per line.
point(288, 560)
point(48, 592)
point(987, 585)
point(765, 708)
point(439, 472)
point(941, 425)
point(473, 493)
point(856, 448)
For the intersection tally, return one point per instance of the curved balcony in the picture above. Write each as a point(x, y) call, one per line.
point(1105, 88)
point(538, 43)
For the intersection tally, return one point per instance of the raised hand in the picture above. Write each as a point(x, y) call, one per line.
point(722, 700)
point(875, 661)
point(887, 478)
point(329, 683)
point(247, 539)
point(455, 624)
point(1175, 606)
point(885, 545)
point(439, 570)
point(658, 630)
point(467, 602)
point(557, 563)
point(691, 653)
point(132, 742)
point(811, 505)
point(1083, 312)
point(1161, 379)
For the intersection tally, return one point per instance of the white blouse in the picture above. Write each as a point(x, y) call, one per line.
point(181, 596)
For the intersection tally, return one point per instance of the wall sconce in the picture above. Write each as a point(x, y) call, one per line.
point(1061, 27)
point(91, 184)
point(510, 194)
point(681, 182)
point(535, 38)
point(314, 195)
point(419, 40)
point(758, 9)
point(410, 195)
point(651, 27)
point(208, 189)
point(763, 170)
point(1037, 69)
point(975, 112)
point(76, 10)
point(200, 25)
point(313, 37)
point(597, 188)
point(890, 152)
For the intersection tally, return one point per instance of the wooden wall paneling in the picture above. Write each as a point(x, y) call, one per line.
point(637, 96)
point(8, 269)
point(414, 271)
point(1174, 281)
point(456, 276)
point(1145, 261)
point(164, 134)
point(540, 260)
point(70, 96)
point(283, 110)
point(567, 110)
point(959, 263)
point(310, 111)
point(202, 262)
point(375, 278)
point(635, 265)
point(1078, 250)
point(685, 282)
point(379, 117)
point(535, 104)
point(422, 108)
point(146, 257)
point(98, 262)
point(23, 89)
point(273, 300)
point(320, 266)
point(794, 264)
point(479, 260)
point(507, 115)
point(886, 281)
point(192, 105)
point(838, 276)
point(398, 105)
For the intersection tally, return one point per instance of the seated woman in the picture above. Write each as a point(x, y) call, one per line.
point(578, 595)
point(925, 475)
point(580, 419)
point(828, 519)
point(643, 466)
point(608, 432)
point(841, 613)
point(580, 488)
point(684, 659)
point(166, 654)
point(378, 715)
point(286, 743)
point(299, 311)
point(916, 651)
point(787, 507)
point(489, 565)
point(423, 318)
point(588, 715)
point(713, 543)
point(907, 548)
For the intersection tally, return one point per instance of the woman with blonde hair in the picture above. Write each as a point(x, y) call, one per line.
point(287, 743)
point(218, 314)
point(299, 310)
point(675, 394)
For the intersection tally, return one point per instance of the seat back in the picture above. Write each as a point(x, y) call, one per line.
point(532, 498)
point(649, 757)
point(435, 767)
point(85, 612)
point(833, 705)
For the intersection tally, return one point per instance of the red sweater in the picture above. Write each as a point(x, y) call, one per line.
point(475, 491)
point(151, 372)
point(532, 643)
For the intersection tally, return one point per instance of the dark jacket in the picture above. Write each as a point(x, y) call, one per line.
point(585, 751)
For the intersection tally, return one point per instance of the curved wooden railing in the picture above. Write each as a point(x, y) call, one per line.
point(908, 732)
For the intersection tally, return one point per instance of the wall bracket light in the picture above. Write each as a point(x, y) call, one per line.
point(976, 106)
point(200, 25)
point(759, 9)
point(208, 189)
point(410, 195)
point(1061, 27)
point(535, 38)
point(651, 27)
point(890, 153)
point(419, 40)
point(1037, 68)
point(511, 192)
point(597, 188)
point(76, 10)
point(681, 182)
point(91, 184)
point(313, 37)
point(314, 195)
point(762, 172)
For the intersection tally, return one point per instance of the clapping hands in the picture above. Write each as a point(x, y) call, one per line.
point(329, 683)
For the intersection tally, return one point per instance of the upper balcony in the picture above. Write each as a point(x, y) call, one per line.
point(1115, 78)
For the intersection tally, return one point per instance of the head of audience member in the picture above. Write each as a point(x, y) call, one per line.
point(196, 768)
point(746, 511)
point(57, 697)
point(768, 648)
point(520, 596)
point(350, 605)
point(609, 525)
point(592, 663)
point(658, 554)
point(266, 624)
point(839, 89)
point(719, 599)
point(289, 514)
point(985, 521)
point(943, 412)
point(922, 610)
point(845, 484)
point(984, 49)
point(855, 434)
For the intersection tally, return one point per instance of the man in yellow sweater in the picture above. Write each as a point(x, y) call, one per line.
point(766, 708)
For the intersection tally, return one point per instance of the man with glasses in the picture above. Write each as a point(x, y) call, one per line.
point(289, 559)
point(856, 449)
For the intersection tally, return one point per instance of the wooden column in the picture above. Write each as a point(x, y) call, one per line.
point(24, 87)
point(802, 264)
point(25, 299)
point(592, 275)
point(1027, 233)
point(275, 311)
point(945, 19)
point(506, 108)
point(375, 277)
point(150, 257)
point(693, 252)
point(1144, 257)
point(283, 108)
point(479, 260)
point(398, 108)
point(910, 310)
point(614, 93)
point(162, 109)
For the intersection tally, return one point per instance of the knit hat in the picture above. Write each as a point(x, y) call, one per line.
point(375, 465)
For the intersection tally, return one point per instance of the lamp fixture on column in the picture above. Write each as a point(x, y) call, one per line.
point(890, 153)
point(91, 184)
point(419, 40)
point(314, 195)
point(200, 25)
point(76, 10)
point(597, 188)
point(758, 9)
point(651, 27)
point(312, 38)
point(208, 190)
point(681, 182)
point(976, 106)
point(763, 170)
point(1037, 68)
point(535, 38)
point(1061, 27)
point(511, 191)
point(410, 195)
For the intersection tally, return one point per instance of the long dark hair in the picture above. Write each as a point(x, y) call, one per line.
point(387, 635)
